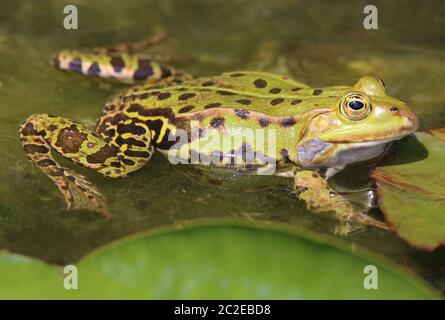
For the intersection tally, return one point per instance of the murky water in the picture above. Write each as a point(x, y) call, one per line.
point(316, 42)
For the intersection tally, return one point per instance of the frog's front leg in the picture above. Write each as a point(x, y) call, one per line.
point(318, 196)
point(115, 153)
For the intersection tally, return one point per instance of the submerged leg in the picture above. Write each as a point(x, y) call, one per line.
point(131, 47)
point(317, 195)
point(129, 150)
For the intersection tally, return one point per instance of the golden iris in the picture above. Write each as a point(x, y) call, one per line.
point(355, 106)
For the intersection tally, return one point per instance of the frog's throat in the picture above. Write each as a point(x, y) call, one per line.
point(316, 153)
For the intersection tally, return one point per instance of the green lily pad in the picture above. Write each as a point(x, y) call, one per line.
point(212, 262)
point(411, 189)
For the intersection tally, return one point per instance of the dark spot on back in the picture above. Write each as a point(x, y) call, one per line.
point(276, 101)
point(208, 83)
point(296, 89)
point(237, 74)
point(264, 122)
point(164, 95)
point(128, 98)
point(244, 114)
point(143, 96)
point(225, 93)
point(317, 92)
point(296, 101)
point(186, 109)
point(287, 122)
point(212, 105)
point(244, 101)
point(260, 83)
point(136, 108)
point(217, 122)
point(186, 96)
point(275, 90)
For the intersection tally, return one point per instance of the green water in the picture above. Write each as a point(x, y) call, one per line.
point(317, 42)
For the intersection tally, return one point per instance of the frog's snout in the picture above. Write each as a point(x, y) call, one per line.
point(412, 118)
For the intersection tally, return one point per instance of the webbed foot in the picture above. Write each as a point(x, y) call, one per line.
point(318, 196)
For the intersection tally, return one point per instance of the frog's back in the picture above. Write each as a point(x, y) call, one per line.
point(262, 93)
point(231, 101)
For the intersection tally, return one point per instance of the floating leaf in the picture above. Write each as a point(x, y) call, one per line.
point(411, 189)
point(212, 262)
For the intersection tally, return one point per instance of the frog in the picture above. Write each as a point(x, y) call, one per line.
point(310, 133)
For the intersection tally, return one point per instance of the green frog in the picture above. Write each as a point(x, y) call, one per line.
point(247, 121)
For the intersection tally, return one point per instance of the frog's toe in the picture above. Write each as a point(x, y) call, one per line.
point(370, 221)
point(345, 229)
point(80, 194)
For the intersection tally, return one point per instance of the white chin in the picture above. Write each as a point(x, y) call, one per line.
point(357, 152)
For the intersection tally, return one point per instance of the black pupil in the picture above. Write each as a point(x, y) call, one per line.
point(356, 105)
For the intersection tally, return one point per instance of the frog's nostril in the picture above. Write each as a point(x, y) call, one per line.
point(394, 109)
point(415, 121)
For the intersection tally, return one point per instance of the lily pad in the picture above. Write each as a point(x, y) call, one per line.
point(213, 262)
point(411, 189)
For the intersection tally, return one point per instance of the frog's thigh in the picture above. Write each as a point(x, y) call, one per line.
point(42, 133)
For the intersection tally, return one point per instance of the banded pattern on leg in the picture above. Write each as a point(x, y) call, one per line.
point(130, 150)
point(118, 62)
point(121, 66)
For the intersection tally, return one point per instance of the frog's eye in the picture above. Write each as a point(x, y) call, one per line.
point(355, 107)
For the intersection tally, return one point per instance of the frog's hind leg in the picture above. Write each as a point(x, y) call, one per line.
point(123, 67)
point(119, 62)
point(132, 47)
point(40, 134)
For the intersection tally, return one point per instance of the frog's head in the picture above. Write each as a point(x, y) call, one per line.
point(361, 122)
